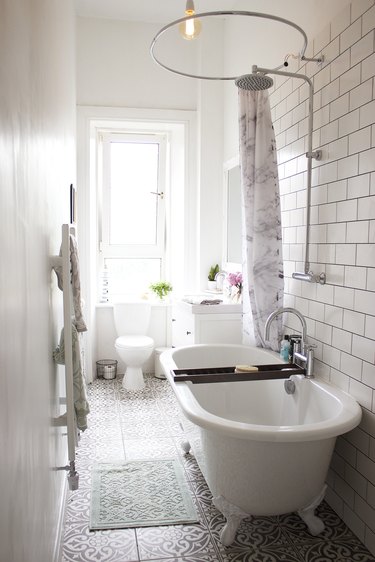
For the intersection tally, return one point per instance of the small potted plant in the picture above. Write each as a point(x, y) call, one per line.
point(214, 270)
point(161, 289)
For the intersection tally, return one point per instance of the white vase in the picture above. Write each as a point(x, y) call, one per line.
point(211, 285)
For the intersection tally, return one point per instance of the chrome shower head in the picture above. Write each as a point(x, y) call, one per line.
point(254, 82)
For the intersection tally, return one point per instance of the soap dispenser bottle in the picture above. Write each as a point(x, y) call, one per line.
point(285, 348)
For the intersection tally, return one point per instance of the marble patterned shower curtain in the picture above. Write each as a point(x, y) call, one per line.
point(261, 234)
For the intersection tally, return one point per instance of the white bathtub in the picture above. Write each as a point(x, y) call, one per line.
point(262, 451)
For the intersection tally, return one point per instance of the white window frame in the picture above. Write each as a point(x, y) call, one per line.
point(141, 251)
point(181, 126)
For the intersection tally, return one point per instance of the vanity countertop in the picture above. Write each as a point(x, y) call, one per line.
point(193, 304)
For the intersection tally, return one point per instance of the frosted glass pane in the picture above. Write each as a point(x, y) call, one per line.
point(133, 209)
point(131, 275)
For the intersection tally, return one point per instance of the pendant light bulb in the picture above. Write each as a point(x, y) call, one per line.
point(190, 29)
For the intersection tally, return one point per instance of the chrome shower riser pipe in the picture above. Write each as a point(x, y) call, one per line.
point(309, 155)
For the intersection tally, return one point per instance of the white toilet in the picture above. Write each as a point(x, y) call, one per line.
point(132, 320)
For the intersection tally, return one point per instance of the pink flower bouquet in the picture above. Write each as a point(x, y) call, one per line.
point(235, 279)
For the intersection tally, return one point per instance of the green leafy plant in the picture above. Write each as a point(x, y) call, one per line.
point(214, 270)
point(161, 288)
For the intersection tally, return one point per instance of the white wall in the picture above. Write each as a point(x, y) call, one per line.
point(210, 153)
point(114, 68)
point(36, 168)
point(340, 314)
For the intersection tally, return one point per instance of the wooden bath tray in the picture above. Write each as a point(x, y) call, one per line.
point(227, 374)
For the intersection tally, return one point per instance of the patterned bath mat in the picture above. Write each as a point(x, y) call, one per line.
point(142, 493)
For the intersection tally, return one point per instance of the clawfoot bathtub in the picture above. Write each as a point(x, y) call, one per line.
point(261, 450)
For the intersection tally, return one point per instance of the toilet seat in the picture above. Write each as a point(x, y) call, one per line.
point(134, 342)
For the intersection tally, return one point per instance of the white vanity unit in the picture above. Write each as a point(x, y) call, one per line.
point(201, 323)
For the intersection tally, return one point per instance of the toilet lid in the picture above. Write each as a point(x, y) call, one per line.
point(134, 342)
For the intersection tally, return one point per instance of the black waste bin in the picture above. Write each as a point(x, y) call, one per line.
point(106, 368)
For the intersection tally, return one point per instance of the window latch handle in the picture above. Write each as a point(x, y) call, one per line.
point(159, 194)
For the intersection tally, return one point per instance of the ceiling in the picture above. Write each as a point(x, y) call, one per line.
point(311, 15)
point(152, 11)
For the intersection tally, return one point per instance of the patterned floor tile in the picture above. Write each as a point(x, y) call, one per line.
point(199, 558)
point(107, 396)
point(254, 533)
point(168, 404)
point(260, 532)
point(177, 540)
point(174, 427)
point(84, 476)
point(139, 413)
point(143, 395)
point(190, 464)
point(137, 408)
point(102, 427)
point(271, 554)
point(131, 429)
point(161, 448)
point(84, 453)
point(82, 545)
point(339, 551)
point(104, 451)
point(202, 492)
point(109, 418)
point(78, 506)
point(297, 531)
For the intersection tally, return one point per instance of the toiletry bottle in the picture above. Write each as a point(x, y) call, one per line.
point(284, 349)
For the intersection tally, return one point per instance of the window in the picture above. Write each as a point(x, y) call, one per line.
point(132, 221)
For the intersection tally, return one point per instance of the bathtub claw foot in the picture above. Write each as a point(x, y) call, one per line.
point(185, 446)
point(233, 516)
point(314, 524)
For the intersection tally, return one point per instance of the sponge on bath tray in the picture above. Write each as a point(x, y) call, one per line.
point(245, 368)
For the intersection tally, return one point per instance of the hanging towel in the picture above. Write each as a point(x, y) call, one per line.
point(262, 243)
point(81, 405)
point(76, 284)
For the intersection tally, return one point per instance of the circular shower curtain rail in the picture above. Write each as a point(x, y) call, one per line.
point(219, 13)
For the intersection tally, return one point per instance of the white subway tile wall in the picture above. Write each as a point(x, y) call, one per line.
point(341, 314)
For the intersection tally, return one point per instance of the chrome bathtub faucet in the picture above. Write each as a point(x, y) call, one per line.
point(306, 354)
point(306, 358)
